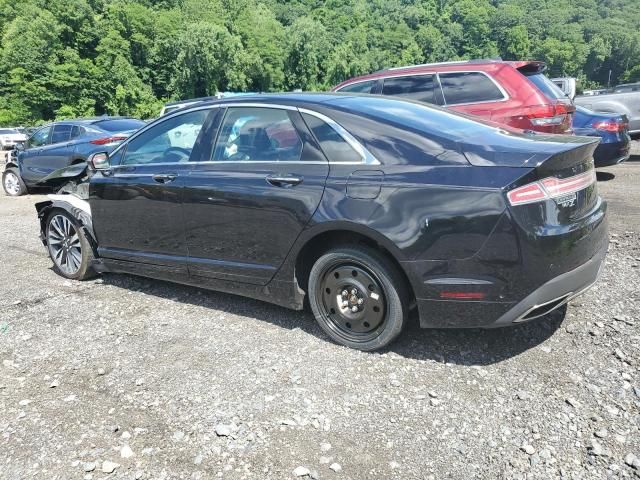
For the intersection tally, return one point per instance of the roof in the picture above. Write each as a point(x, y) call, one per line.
point(533, 65)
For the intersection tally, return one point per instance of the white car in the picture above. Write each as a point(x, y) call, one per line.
point(9, 137)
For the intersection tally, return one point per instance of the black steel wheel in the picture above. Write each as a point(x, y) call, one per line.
point(357, 296)
point(68, 246)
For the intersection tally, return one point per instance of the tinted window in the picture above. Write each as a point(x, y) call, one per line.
point(336, 148)
point(170, 141)
point(550, 89)
point(123, 125)
point(416, 87)
point(40, 137)
point(360, 87)
point(468, 87)
point(4, 131)
point(76, 131)
point(61, 133)
point(257, 134)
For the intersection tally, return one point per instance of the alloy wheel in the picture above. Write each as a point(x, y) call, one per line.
point(11, 183)
point(64, 244)
point(353, 300)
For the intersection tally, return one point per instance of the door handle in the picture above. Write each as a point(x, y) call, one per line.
point(165, 177)
point(284, 180)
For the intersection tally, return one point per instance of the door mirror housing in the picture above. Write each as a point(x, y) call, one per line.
point(20, 146)
point(99, 161)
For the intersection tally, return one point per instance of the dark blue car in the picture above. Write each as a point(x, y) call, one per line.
point(612, 128)
point(58, 145)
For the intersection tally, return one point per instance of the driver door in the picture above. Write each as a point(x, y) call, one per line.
point(136, 205)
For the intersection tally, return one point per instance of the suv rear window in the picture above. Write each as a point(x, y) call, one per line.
point(414, 87)
point(360, 87)
point(546, 86)
point(121, 125)
point(468, 87)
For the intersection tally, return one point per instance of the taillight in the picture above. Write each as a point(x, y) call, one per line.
point(550, 187)
point(612, 126)
point(106, 140)
point(542, 115)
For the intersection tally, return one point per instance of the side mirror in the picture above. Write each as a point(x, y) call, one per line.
point(20, 146)
point(99, 161)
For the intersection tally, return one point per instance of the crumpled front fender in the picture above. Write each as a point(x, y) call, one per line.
point(76, 207)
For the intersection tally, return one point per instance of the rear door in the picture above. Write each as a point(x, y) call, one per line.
point(474, 93)
point(421, 88)
point(246, 206)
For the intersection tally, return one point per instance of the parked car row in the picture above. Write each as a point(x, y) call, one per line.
point(517, 94)
point(59, 145)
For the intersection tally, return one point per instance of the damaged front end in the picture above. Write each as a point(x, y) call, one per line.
point(72, 185)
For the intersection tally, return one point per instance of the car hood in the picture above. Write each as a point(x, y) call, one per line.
point(64, 175)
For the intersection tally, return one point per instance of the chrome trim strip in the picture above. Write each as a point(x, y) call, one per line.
point(521, 318)
point(367, 156)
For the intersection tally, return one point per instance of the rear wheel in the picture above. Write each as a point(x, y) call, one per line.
point(12, 183)
point(68, 246)
point(358, 297)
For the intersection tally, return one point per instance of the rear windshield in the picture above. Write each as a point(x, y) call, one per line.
point(122, 125)
point(550, 89)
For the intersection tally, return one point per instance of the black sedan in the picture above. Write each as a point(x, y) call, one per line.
point(61, 144)
point(366, 206)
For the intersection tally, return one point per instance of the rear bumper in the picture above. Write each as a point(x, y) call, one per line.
point(607, 154)
point(555, 293)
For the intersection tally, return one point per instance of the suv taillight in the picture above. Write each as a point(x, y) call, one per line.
point(543, 115)
point(550, 187)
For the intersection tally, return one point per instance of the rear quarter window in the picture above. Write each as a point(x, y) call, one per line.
point(468, 87)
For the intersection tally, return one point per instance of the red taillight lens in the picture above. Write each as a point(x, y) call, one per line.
point(610, 126)
point(550, 187)
point(530, 193)
point(542, 115)
point(106, 140)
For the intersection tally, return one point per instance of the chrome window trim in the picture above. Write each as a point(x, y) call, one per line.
point(505, 95)
point(372, 80)
point(366, 155)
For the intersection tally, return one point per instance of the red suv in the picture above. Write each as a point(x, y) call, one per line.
point(512, 93)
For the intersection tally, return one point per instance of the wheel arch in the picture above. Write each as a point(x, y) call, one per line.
point(73, 206)
point(322, 239)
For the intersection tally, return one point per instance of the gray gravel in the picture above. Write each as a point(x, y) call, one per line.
point(125, 377)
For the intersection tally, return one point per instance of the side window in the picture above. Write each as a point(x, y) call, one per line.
point(257, 134)
point(76, 131)
point(61, 133)
point(40, 138)
point(336, 148)
point(468, 87)
point(170, 141)
point(415, 87)
point(360, 87)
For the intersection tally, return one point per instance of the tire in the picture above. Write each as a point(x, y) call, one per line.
point(68, 246)
point(12, 183)
point(374, 310)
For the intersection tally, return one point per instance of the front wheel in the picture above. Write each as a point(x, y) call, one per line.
point(358, 297)
point(68, 247)
point(12, 183)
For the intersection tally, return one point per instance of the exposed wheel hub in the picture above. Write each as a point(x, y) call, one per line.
point(353, 299)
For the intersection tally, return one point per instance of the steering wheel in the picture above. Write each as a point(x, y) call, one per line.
point(182, 152)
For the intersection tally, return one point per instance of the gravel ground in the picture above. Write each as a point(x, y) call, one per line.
point(124, 377)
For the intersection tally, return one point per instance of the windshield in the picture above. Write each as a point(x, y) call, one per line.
point(6, 131)
point(549, 88)
point(120, 125)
